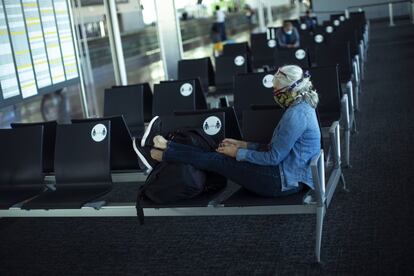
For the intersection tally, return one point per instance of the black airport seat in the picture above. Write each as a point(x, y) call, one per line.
point(49, 138)
point(236, 49)
point(227, 67)
point(260, 122)
point(325, 80)
point(335, 53)
point(201, 68)
point(210, 122)
point(123, 156)
point(82, 166)
point(232, 126)
point(299, 57)
point(244, 198)
point(134, 102)
point(21, 164)
point(253, 89)
point(170, 96)
point(263, 48)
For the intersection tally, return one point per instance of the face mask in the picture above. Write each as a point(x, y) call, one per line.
point(289, 32)
point(284, 99)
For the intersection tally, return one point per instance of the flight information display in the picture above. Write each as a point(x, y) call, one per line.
point(37, 51)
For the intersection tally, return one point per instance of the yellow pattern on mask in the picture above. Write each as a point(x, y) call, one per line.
point(285, 99)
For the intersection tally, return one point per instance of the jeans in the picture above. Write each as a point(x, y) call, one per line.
point(261, 180)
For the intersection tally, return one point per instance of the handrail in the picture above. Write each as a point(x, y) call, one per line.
point(380, 4)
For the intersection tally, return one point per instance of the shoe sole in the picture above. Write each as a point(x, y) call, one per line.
point(141, 156)
point(148, 130)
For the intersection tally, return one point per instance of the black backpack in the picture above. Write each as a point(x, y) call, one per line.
point(172, 182)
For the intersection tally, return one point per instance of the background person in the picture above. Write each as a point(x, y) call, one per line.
point(220, 21)
point(288, 36)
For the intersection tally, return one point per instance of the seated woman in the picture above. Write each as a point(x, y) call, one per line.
point(282, 168)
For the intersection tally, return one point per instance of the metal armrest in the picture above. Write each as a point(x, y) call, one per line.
point(318, 175)
point(345, 112)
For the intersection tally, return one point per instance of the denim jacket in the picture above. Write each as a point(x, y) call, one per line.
point(295, 141)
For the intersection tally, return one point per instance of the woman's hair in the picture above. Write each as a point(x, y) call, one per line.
point(297, 82)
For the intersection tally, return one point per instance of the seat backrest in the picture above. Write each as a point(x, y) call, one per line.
point(212, 123)
point(82, 153)
point(298, 57)
point(134, 102)
point(49, 139)
point(170, 96)
point(232, 126)
point(229, 66)
point(263, 48)
point(325, 80)
point(259, 124)
point(201, 68)
point(253, 89)
point(21, 156)
point(236, 49)
point(123, 156)
point(335, 53)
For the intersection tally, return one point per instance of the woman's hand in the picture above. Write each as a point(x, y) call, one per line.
point(228, 149)
point(237, 143)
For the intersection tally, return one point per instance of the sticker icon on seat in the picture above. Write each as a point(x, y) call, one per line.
point(99, 132)
point(303, 26)
point(271, 43)
point(186, 89)
point(329, 29)
point(268, 81)
point(318, 38)
point(239, 60)
point(336, 22)
point(212, 125)
point(300, 54)
point(342, 18)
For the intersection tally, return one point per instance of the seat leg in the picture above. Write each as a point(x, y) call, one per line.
point(354, 125)
point(344, 187)
point(347, 147)
point(320, 213)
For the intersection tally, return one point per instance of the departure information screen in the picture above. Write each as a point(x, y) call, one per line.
point(37, 53)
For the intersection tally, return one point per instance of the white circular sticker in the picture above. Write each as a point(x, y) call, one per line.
point(239, 60)
point(303, 26)
point(300, 54)
point(186, 89)
point(271, 43)
point(212, 125)
point(336, 22)
point(99, 132)
point(318, 38)
point(329, 29)
point(268, 81)
point(342, 18)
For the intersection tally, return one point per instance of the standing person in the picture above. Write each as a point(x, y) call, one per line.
point(279, 168)
point(216, 40)
point(220, 21)
point(288, 36)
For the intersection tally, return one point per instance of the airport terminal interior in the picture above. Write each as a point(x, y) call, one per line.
point(86, 84)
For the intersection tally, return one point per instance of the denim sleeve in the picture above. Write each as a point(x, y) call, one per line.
point(291, 128)
point(253, 146)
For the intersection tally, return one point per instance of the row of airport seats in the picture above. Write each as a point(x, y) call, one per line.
point(84, 156)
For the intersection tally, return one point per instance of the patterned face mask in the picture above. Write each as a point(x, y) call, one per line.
point(284, 98)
